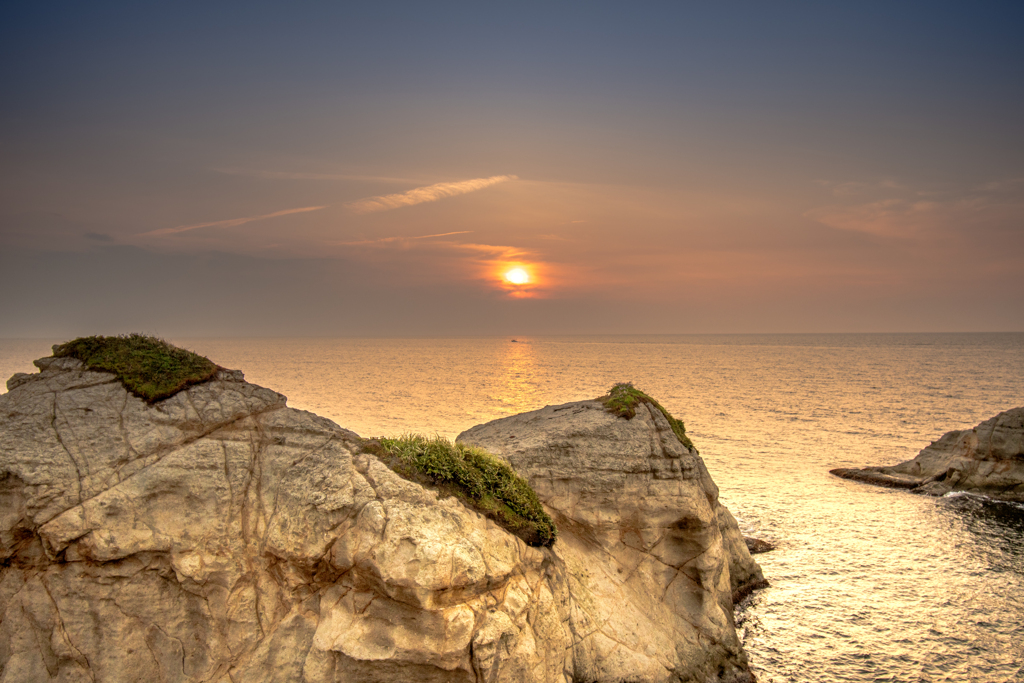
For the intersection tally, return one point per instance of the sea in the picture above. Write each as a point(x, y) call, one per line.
point(867, 583)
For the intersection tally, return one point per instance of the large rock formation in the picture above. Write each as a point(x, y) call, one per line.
point(219, 535)
point(653, 558)
point(987, 460)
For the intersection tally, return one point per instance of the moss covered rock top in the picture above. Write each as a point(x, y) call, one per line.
point(480, 480)
point(148, 367)
point(623, 399)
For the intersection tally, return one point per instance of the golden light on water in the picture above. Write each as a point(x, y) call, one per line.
point(517, 386)
point(517, 276)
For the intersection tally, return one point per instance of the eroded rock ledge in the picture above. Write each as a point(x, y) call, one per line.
point(987, 460)
point(219, 535)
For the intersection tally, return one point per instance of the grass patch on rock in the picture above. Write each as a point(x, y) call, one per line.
point(480, 480)
point(623, 398)
point(148, 367)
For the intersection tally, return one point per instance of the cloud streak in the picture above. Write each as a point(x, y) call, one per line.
point(299, 175)
point(453, 261)
point(231, 222)
point(913, 213)
point(420, 195)
point(387, 240)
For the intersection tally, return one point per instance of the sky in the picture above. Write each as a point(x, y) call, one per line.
point(376, 169)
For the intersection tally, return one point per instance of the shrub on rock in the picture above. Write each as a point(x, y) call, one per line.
point(623, 398)
point(484, 482)
point(148, 367)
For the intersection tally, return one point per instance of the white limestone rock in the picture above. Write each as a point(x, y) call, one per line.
point(652, 559)
point(986, 460)
point(219, 535)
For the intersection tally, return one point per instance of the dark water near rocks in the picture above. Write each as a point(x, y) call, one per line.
point(868, 584)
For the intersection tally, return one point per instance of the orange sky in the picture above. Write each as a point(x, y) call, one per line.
point(670, 170)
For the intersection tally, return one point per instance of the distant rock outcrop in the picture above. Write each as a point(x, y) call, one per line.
point(218, 535)
point(987, 460)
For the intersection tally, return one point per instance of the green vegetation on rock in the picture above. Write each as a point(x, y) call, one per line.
point(148, 367)
point(479, 479)
point(623, 399)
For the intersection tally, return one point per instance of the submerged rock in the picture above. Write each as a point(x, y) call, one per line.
point(987, 460)
point(758, 545)
point(218, 535)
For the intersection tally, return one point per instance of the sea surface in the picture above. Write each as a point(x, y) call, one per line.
point(868, 584)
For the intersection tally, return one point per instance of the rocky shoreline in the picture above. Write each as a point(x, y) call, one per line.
point(218, 535)
point(987, 460)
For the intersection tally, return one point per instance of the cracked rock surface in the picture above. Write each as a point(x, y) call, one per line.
point(651, 558)
point(987, 460)
point(219, 535)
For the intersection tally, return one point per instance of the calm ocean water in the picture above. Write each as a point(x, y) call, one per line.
point(868, 584)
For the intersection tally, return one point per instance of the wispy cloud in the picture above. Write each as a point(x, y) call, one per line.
point(453, 260)
point(496, 252)
point(855, 188)
point(231, 222)
point(293, 175)
point(485, 253)
point(388, 240)
point(908, 212)
point(419, 195)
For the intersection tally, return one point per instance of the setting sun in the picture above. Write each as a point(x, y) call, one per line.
point(517, 276)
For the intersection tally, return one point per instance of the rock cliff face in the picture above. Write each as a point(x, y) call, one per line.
point(652, 557)
point(988, 460)
point(219, 535)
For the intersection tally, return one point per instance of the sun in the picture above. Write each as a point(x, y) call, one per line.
point(517, 276)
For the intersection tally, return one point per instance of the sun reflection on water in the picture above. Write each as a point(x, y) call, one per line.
point(517, 387)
